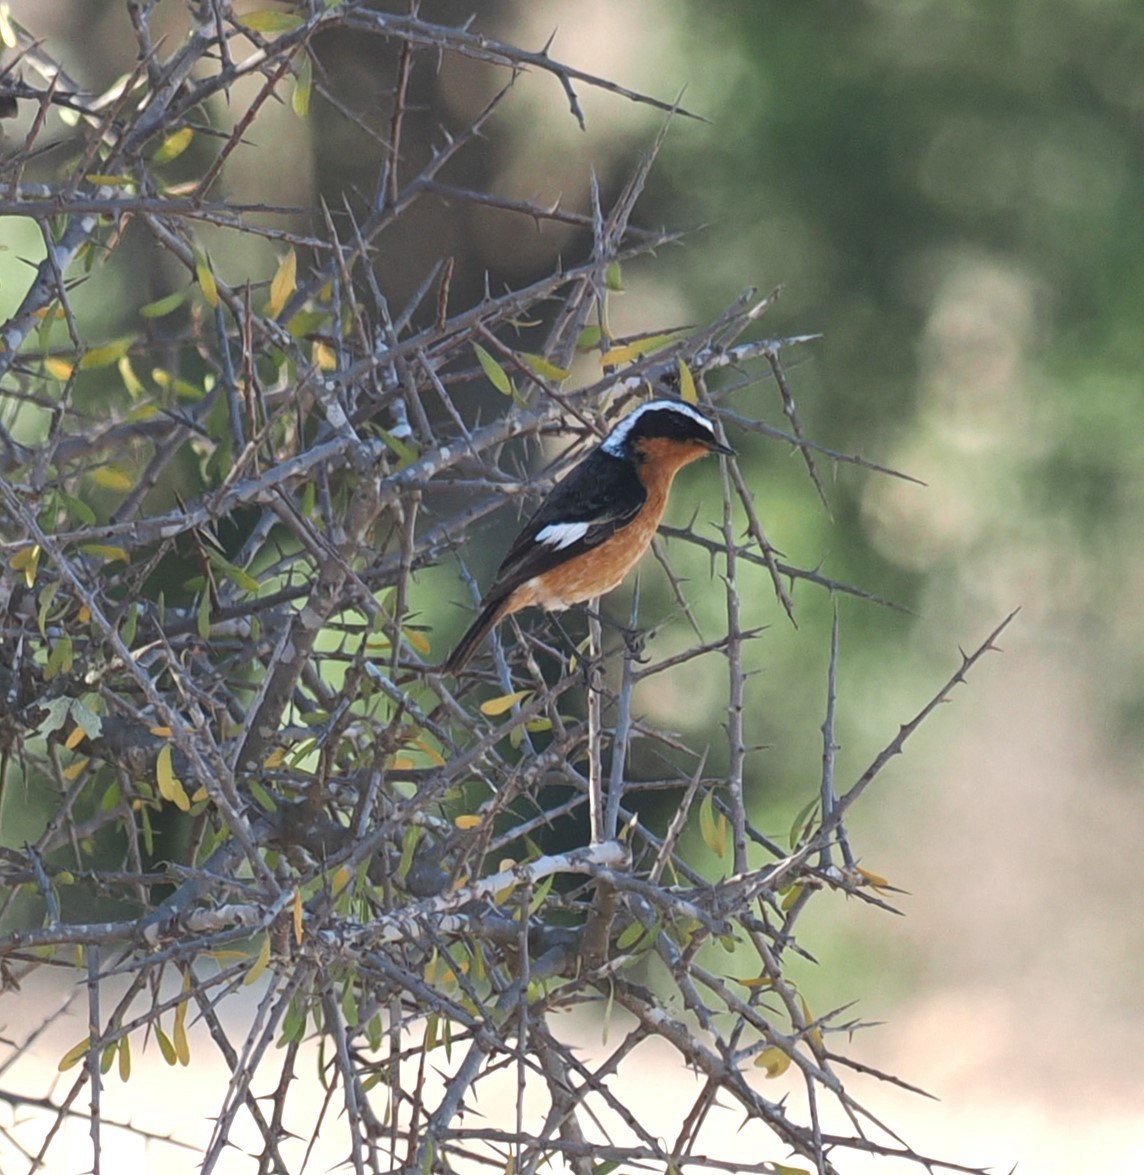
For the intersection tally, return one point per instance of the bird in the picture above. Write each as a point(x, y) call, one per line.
point(597, 522)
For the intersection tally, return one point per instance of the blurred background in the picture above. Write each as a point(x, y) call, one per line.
point(951, 195)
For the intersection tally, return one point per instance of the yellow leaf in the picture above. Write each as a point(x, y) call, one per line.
point(106, 355)
point(543, 367)
point(417, 640)
point(626, 352)
point(170, 788)
point(270, 21)
point(111, 477)
point(430, 752)
point(74, 1055)
point(124, 1059)
point(872, 878)
point(773, 1060)
point(283, 284)
point(755, 981)
point(72, 773)
point(495, 707)
point(131, 381)
point(687, 390)
point(75, 738)
point(298, 916)
point(59, 369)
point(27, 560)
point(105, 552)
point(260, 963)
point(108, 181)
point(174, 145)
point(466, 822)
point(182, 1045)
point(323, 356)
point(275, 759)
point(206, 280)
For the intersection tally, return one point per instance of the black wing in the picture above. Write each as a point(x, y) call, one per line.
point(602, 494)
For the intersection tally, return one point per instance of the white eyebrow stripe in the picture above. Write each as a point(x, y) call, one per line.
point(614, 442)
point(559, 535)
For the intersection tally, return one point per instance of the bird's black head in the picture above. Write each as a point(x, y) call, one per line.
point(670, 421)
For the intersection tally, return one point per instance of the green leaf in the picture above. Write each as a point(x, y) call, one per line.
point(493, 370)
point(233, 572)
point(539, 893)
point(409, 841)
point(60, 659)
point(86, 719)
point(79, 509)
point(74, 1055)
point(161, 307)
point(405, 453)
point(613, 278)
point(800, 825)
point(111, 477)
point(713, 826)
point(633, 934)
point(130, 622)
point(588, 339)
point(303, 84)
point(165, 1046)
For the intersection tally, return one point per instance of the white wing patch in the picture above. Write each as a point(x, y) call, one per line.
point(559, 535)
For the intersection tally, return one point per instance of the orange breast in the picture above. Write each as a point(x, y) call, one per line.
point(602, 569)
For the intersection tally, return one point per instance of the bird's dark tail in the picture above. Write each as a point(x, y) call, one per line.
point(477, 631)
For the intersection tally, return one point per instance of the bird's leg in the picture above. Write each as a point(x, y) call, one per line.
point(634, 637)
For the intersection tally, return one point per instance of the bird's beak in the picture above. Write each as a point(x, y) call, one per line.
point(716, 447)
